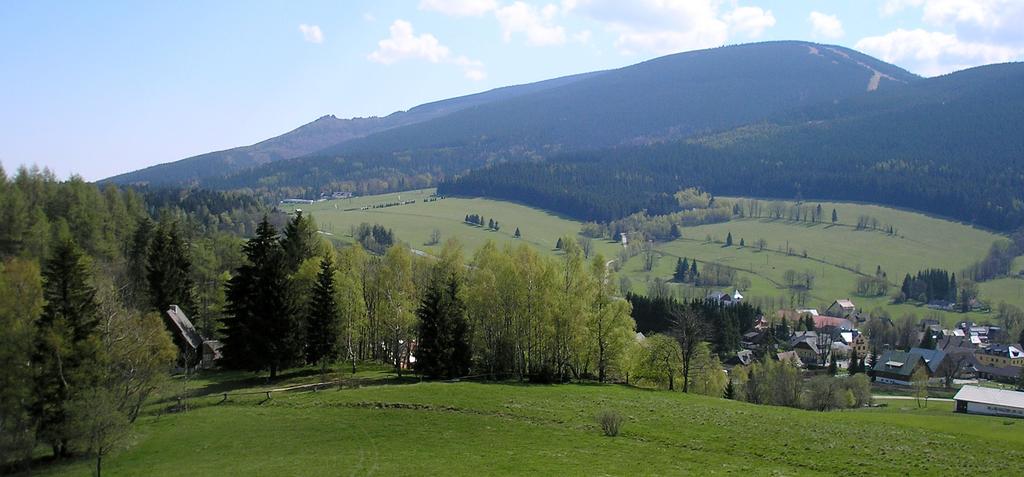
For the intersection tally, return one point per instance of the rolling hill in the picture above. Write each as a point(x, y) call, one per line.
point(925, 146)
point(675, 96)
point(322, 133)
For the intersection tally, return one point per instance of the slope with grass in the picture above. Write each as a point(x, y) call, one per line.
point(414, 223)
point(501, 429)
point(835, 252)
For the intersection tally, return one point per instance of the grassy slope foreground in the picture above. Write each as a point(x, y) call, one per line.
point(834, 252)
point(472, 428)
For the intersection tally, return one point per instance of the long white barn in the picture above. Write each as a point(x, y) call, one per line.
point(993, 402)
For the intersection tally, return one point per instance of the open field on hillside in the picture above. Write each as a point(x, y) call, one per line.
point(836, 254)
point(469, 428)
point(413, 223)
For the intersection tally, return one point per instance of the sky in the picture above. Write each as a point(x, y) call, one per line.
point(100, 88)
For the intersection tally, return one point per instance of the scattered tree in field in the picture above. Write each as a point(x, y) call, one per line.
point(742, 243)
point(99, 426)
point(688, 330)
point(261, 330)
point(662, 360)
point(728, 240)
point(919, 383)
point(323, 327)
point(835, 216)
point(443, 349)
point(435, 237)
point(558, 244)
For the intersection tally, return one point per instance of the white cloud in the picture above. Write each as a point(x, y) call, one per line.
point(536, 23)
point(459, 8)
point(311, 33)
point(669, 26)
point(751, 21)
point(994, 21)
point(403, 44)
point(825, 26)
point(933, 53)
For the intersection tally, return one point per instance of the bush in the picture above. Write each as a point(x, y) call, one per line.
point(611, 422)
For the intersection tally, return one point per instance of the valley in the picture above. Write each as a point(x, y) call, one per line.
point(837, 254)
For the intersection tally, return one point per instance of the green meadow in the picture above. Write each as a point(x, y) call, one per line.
point(836, 254)
point(389, 426)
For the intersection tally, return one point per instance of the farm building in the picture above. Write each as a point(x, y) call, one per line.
point(897, 367)
point(841, 308)
point(989, 401)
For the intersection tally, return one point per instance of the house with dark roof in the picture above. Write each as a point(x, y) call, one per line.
point(999, 355)
point(898, 367)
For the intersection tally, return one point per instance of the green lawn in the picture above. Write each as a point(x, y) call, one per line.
point(488, 429)
point(835, 253)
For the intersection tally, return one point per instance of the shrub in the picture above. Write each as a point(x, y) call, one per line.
point(611, 422)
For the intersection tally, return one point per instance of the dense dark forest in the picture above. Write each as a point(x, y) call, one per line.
point(721, 326)
point(609, 184)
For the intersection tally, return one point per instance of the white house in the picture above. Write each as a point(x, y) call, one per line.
point(990, 401)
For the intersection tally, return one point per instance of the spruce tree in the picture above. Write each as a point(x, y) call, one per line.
point(300, 241)
point(169, 273)
point(443, 348)
point(730, 390)
point(67, 344)
point(675, 232)
point(323, 324)
point(261, 332)
point(558, 244)
point(519, 235)
point(743, 243)
point(728, 240)
point(835, 216)
point(853, 363)
point(833, 366)
point(928, 341)
point(680, 274)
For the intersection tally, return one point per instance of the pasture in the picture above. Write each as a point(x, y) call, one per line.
point(836, 254)
point(436, 428)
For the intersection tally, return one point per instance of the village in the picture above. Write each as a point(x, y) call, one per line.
point(978, 362)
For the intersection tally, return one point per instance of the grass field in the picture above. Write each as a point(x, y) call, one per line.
point(835, 253)
point(491, 429)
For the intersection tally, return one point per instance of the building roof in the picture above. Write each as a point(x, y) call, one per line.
point(900, 363)
point(822, 321)
point(184, 327)
point(932, 357)
point(998, 397)
point(845, 303)
point(790, 356)
point(1006, 351)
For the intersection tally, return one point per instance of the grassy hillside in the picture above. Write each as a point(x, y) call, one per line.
point(414, 223)
point(834, 252)
point(469, 428)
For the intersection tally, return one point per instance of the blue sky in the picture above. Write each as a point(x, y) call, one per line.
point(99, 88)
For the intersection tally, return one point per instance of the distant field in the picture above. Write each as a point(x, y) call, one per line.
point(475, 429)
point(414, 223)
point(835, 252)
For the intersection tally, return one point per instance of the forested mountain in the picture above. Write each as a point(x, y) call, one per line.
point(672, 97)
point(322, 133)
point(927, 146)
